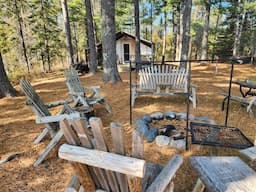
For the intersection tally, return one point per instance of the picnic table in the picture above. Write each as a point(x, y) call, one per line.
point(245, 87)
point(224, 174)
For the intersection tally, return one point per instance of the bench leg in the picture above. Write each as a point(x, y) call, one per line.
point(193, 97)
point(199, 187)
point(134, 95)
point(49, 147)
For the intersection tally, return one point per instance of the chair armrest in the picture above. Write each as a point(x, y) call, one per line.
point(193, 85)
point(92, 87)
point(57, 103)
point(56, 118)
point(166, 175)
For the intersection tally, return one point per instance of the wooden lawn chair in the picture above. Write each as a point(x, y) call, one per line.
point(77, 91)
point(163, 80)
point(101, 168)
point(41, 110)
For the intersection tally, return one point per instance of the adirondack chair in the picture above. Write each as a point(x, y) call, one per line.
point(78, 92)
point(41, 110)
point(163, 80)
point(99, 169)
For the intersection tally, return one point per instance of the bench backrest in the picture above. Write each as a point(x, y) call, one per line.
point(166, 75)
point(33, 99)
point(73, 82)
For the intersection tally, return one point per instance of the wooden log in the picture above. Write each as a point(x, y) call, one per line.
point(119, 148)
point(81, 170)
point(49, 147)
point(97, 129)
point(114, 162)
point(166, 175)
point(73, 185)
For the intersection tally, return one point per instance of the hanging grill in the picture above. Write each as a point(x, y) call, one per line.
point(216, 135)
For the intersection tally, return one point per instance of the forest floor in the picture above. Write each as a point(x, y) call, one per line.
point(18, 128)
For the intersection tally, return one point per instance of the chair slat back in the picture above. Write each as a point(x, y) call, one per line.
point(154, 75)
point(34, 99)
point(73, 82)
point(79, 134)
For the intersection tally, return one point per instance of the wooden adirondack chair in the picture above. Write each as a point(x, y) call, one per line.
point(163, 80)
point(41, 110)
point(78, 92)
point(98, 168)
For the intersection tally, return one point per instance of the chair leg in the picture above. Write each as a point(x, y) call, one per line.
point(49, 147)
point(133, 97)
point(194, 97)
point(199, 187)
point(41, 136)
point(106, 105)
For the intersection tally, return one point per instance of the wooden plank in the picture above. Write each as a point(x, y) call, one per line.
point(224, 173)
point(81, 170)
point(73, 185)
point(57, 118)
point(119, 148)
point(166, 175)
point(135, 184)
point(126, 165)
point(199, 187)
point(86, 141)
point(54, 141)
point(41, 136)
point(249, 152)
point(97, 129)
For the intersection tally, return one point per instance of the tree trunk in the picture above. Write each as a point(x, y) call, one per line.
point(238, 30)
point(67, 32)
point(91, 36)
point(20, 21)
point(178, 36)
point(164, 37)
point(6, 89)
point(204, 53)
point(174, 31)
point(185, 18)
point(137, 31)
point(109, 42)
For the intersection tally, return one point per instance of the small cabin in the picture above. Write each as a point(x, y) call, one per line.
point(125, 48)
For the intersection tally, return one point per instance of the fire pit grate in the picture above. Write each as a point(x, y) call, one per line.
point(216, 135)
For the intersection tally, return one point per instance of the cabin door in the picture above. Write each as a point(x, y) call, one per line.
point(126, 52)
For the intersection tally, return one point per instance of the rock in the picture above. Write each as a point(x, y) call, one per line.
point(167, 130)
point(180, 144)
point(178, 136)
point(157, 116)
point(180, 116)
point(205, 120)
point(169, 115)
point(151, 134)
point(162, 140)
point(141, 126)
point(147, 118)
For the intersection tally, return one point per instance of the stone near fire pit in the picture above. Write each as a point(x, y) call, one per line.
point(146, 118)
point(157, 116)
point(162, 140)
point(167, 130)
point(205, 120)
point(180, 116)
point(169, 115)
point(151, 134)
point(141, 126)
point(179, 144)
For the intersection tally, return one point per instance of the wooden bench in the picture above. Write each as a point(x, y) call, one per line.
point(249, 102)
point(101, 168)
point(78, 92)
point(163, 80)
point(41, 110)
